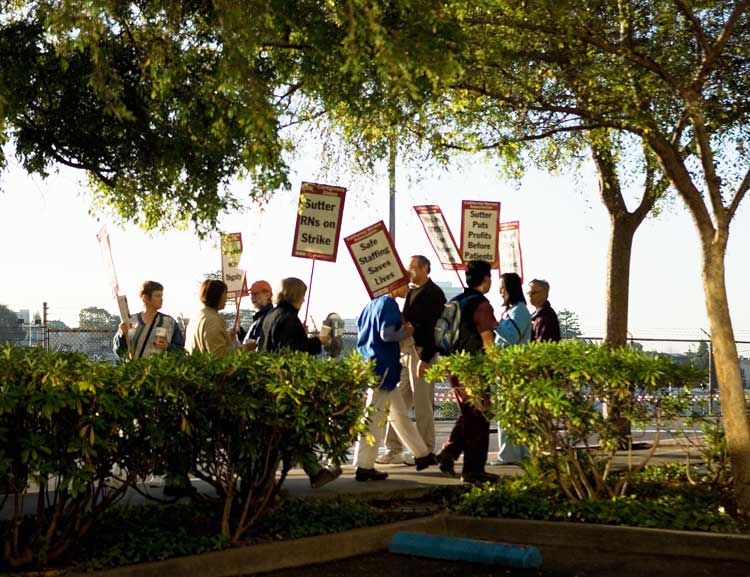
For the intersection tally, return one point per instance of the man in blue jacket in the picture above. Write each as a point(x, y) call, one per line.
point(380, 329)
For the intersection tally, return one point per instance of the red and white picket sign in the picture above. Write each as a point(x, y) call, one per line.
point(109, 263)
point(231, 274)
point(479, 231)
point(316, 234)
point(376, 259)
point(511, 259)
point(440, 236)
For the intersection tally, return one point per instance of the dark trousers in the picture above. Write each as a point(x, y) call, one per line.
point(470, 434)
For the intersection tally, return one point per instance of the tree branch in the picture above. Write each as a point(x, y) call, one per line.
point(582, 34)
point(525, 138)
point(679, 176)
point(285, 45)
point(652, 188)
point(609, 183)
point(726, 32)
point(516, 102)
point(738, 196)
point(706, 155)
point(700, 35)
point(292, 89)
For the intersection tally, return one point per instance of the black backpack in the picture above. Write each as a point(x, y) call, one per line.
point(450, 330)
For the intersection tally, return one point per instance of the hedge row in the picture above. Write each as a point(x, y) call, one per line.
point(83, 432)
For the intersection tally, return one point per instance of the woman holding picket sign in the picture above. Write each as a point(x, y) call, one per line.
point(149, 332)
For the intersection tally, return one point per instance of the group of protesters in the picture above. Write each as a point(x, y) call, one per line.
point(401, 344)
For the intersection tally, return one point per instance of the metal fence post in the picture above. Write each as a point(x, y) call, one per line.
point(45, 327)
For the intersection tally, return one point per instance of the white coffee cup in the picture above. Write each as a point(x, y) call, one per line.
point(160, 332)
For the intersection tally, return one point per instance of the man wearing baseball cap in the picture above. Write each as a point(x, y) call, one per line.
point(261, 295)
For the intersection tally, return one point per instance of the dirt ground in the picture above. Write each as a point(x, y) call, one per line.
point(605, 565)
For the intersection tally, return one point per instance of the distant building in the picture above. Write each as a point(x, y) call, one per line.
point(450, 289)
point(24, 315)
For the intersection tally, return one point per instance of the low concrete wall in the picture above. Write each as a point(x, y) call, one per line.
point(563, 546)
point(279, 555)
point(603, 538)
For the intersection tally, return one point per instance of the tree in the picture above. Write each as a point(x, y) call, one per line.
point(699, 357)
point(671, 75)
point(163, 103)
point(11, 331)
point(569, 325)
point(96, 318)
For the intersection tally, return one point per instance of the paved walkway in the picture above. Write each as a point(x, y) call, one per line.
point(402, 478)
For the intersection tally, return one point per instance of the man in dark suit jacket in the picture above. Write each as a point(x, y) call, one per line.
point(424, 304)
point(544, 323)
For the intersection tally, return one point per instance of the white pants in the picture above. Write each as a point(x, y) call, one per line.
point(507, 452)
point(416, 392)
point(390, 406)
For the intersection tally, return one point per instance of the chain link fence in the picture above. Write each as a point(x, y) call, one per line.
point(97, 343)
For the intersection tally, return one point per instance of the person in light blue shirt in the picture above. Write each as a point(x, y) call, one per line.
point(514, 329)
point(515, 319)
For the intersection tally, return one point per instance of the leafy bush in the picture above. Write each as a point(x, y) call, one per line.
point(127, 535)
point(679, 507)
point(65, 424)
point(137, 534)
point(546, 395)
point(83, 432)
point(298, 518)
point(448, 409)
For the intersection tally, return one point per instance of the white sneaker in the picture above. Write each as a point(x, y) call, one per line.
point(389, 458)
point(409, 460)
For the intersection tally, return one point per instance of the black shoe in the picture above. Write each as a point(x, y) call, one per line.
point(324, 476)
point(370, 475)
point(447, 464)
point(479, 478)
point(186, 491)
point(427, 461)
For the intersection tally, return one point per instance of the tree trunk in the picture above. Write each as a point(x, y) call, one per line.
point(618, 279)
point(623, 226)
point(733, 405)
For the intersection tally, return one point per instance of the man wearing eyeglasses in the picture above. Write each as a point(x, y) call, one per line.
point(544, 323)
point(261, 297)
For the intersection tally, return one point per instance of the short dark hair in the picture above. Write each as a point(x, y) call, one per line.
point(212, 291)
point(148, 288)
point(422, 261)
point(476, 272)
point(514, 287)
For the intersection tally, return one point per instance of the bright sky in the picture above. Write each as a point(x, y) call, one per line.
point(50, 251)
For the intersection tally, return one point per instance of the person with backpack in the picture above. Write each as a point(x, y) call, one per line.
point(514, 329)
point(475, 320)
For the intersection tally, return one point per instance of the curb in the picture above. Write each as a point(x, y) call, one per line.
point(603, 538)
point(280, 555)
point(559, 542)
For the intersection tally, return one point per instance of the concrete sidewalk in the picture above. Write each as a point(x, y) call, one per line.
point(403, 479)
